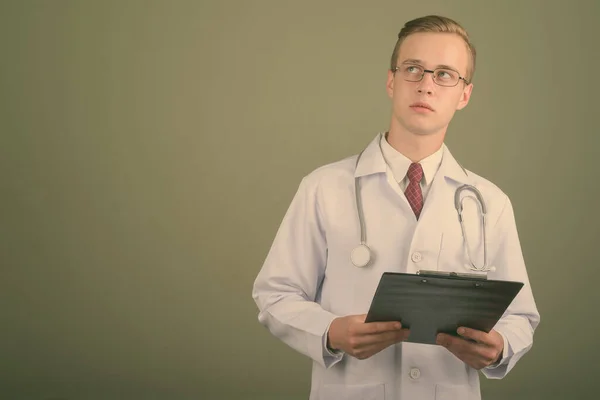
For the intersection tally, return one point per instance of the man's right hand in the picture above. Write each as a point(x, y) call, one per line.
point(362, 340)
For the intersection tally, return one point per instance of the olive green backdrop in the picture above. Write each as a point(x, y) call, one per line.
point(149, 150)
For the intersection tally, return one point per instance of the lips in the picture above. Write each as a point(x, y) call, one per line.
point(421, 105)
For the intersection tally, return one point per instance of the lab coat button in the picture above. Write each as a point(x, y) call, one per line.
point(416, 257)
point(415, 373)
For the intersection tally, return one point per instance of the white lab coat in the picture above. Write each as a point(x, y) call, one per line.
point(308, 279)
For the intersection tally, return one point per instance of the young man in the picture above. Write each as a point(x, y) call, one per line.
point(312, 296)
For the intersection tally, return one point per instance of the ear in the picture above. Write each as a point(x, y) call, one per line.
point(389, 86)
point(465, 96)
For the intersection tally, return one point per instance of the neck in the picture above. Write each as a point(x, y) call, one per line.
point(415, 147)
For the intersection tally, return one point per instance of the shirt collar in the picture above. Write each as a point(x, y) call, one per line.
point(371, 161)
point(399, 163)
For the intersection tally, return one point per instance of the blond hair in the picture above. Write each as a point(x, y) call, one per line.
point(436, 24)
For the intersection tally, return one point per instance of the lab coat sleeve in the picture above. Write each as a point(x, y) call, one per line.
point(505, 353)
point(287, 285)
point(520, 320)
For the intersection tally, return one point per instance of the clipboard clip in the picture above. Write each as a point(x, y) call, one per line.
point(446, 274)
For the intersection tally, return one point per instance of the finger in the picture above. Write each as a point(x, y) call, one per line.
point(360, 318)
point(384, 337)
point(370, 350)
point(473, 359)
point(475, 335)
point(358, 342)
point(457, 345)
point(446, 340)
point(378, 327)
point(474, 354)
point(399, 336)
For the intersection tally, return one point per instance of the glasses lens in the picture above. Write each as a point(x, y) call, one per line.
point(412, 73)
point(445, 77)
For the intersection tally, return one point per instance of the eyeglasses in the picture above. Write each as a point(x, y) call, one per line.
point(441, 76)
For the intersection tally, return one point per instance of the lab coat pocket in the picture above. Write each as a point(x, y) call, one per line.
point(452, 392)
point(463, 244)
point(353, 392)
point(453, 251)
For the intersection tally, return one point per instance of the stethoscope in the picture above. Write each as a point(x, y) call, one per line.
point(361, 255)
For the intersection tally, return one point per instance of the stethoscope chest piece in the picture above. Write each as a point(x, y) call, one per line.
point(361, 256)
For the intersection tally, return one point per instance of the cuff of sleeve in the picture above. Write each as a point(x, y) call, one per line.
point(330, 357)
point(506, 353)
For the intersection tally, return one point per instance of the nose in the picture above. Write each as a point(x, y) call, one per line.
point(426, 84)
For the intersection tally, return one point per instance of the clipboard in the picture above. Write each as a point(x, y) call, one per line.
point(432, 302)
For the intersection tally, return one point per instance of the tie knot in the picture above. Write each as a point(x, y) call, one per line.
point(415, 172)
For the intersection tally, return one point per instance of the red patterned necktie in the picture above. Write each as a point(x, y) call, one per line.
point(413, 190)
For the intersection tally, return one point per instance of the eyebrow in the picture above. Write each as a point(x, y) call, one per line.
point(420, 62)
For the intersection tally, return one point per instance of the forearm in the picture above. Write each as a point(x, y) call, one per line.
point(299, 323)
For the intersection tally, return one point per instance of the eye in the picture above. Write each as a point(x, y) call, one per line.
point(412, 69)
point(445, 75)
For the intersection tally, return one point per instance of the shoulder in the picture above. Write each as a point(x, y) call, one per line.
point(331, 175)
point(485, 184)
point(496, 199)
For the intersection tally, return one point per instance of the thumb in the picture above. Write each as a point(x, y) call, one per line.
point(361, 317)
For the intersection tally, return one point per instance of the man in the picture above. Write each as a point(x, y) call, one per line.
point(312, 297)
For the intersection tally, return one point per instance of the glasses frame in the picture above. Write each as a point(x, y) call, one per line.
point(432, 72)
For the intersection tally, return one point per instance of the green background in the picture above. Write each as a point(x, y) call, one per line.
point(149, 150)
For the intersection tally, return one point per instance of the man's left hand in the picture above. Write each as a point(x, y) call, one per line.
point(476, 348)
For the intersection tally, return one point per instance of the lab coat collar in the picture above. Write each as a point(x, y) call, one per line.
point(372, 162)
point(450, 168)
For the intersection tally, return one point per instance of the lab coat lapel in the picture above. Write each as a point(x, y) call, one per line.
point(371, 160)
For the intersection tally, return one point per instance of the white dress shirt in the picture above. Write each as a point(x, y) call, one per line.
point(399, 163)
